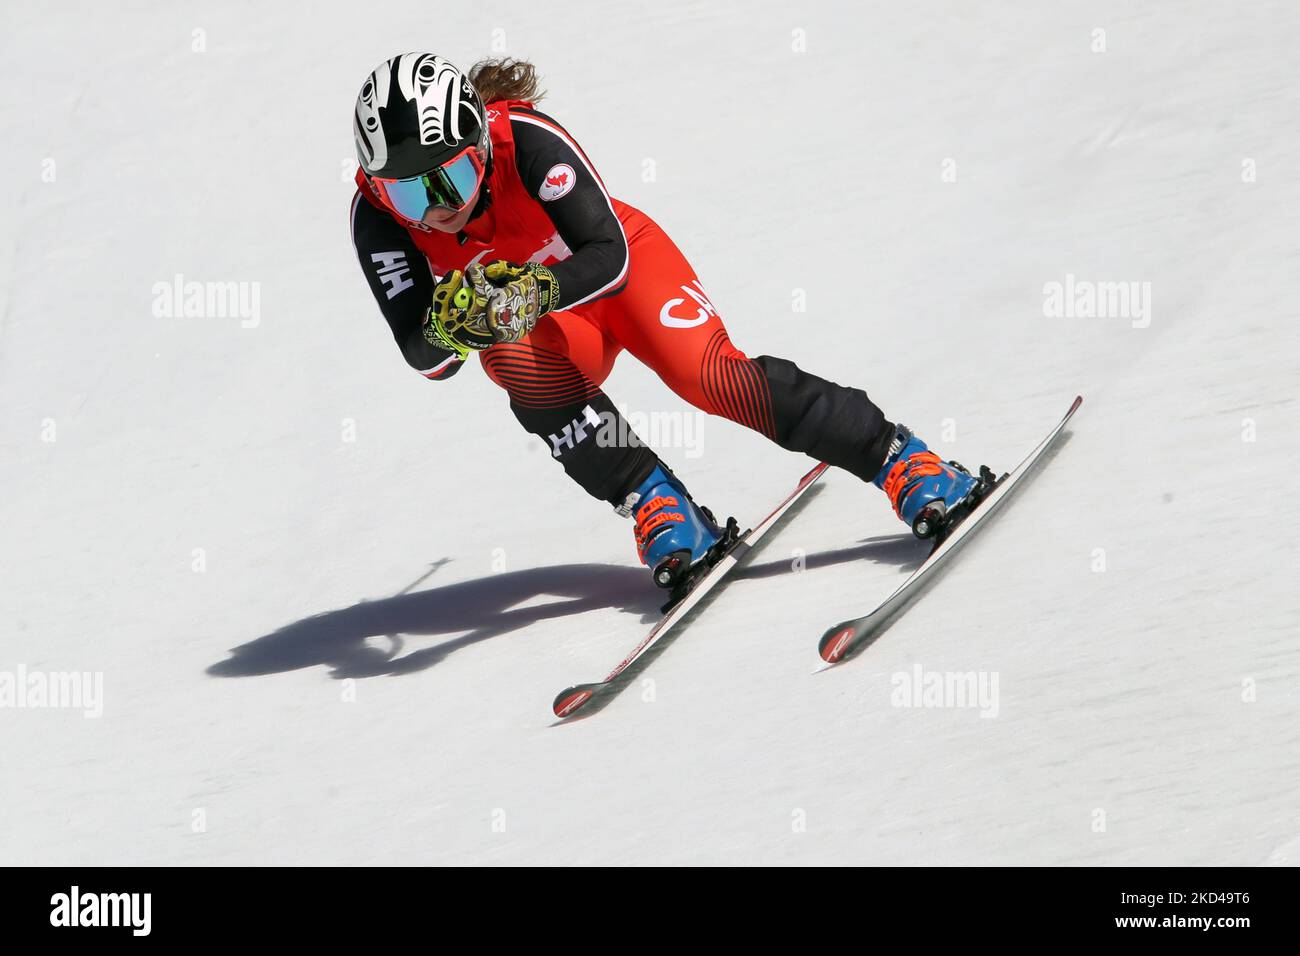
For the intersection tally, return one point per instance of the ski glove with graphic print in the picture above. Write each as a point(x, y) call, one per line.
point(517, 296)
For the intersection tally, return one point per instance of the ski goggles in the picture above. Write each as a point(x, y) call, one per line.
point(449, 186)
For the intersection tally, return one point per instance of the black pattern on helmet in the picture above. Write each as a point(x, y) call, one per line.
point(415, 112)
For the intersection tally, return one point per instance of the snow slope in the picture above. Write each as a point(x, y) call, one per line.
point(362, 668)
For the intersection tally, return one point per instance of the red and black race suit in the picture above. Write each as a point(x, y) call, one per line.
point(624, 286)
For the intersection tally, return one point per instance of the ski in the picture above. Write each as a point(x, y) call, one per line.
point(573, 699)
point(849, 637)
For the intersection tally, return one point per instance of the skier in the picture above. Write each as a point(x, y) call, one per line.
point(482, 226)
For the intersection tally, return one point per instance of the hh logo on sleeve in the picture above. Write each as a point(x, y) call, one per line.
point(393, 271)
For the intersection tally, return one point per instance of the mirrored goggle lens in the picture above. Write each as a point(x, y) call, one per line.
point(460, 178)
point(447, 187)
point(410, 197)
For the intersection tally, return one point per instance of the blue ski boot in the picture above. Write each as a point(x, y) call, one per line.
point(672, 531)
point(923, 489)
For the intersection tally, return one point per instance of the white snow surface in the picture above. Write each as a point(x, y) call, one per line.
point(361, 668)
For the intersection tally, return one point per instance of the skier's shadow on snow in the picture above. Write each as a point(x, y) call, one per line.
point(368, 639)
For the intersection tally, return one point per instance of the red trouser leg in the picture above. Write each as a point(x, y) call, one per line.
point(553, 379)
point(664, 318)
point(565, 359)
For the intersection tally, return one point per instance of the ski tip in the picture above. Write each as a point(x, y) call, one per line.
point(1078, 400)
point(813, 474)
point(836, 643)
point(572, 699)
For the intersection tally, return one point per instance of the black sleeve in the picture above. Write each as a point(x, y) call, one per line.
point(399, 279)
point(546, 156)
